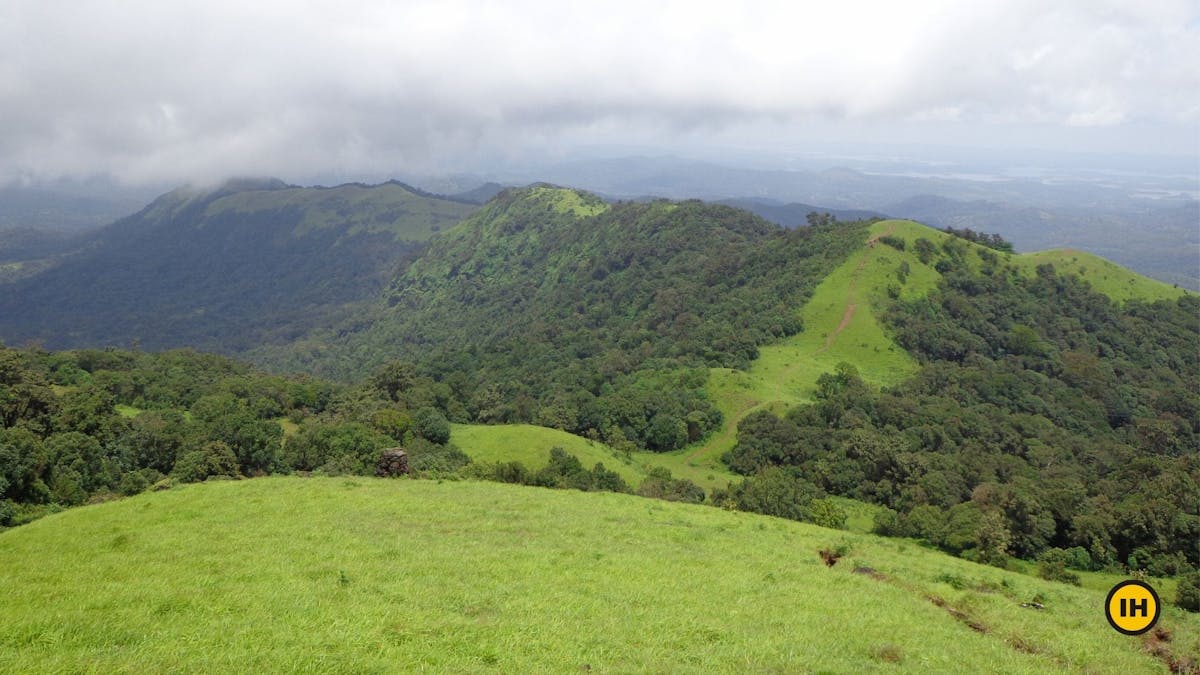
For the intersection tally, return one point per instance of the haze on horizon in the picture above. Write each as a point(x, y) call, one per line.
point(146, 92)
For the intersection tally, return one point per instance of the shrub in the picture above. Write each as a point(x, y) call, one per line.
point(659, 484)
point(1187, 594)
point(427, 457)
point(826, 513)
point(776, 492)
point(214, 458)
point(1052, 565)
point(432, 425)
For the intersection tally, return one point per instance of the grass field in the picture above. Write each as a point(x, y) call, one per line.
point(531, 445)
point(127, 411)
point(371, 575)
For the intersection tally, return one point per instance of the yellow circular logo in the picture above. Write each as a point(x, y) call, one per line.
point(1132, 607)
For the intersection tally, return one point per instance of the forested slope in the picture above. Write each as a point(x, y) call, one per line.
point(226, 269)
point(550, 306)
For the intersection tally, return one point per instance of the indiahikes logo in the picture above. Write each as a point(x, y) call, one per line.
point(1132, 607)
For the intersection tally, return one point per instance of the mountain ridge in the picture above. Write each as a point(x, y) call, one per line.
point(226, 268)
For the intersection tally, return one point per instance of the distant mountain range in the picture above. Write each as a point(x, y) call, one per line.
point(1146, 222)
point(794, 215)
point(227, 269)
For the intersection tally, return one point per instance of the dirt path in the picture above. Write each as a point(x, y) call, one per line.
point(726, 433)
point(847, 316)
point(852, 293)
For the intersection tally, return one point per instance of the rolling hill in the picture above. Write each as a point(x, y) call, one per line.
point(225, 269)
point(366, 574)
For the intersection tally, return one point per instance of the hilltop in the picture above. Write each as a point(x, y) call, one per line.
point(224, 269)
point(368, 574)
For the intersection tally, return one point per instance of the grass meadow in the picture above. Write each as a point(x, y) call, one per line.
point(290, 574)
point(531, 445)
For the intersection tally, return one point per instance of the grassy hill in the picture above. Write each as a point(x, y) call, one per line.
point(294, 574)
point(530, 445)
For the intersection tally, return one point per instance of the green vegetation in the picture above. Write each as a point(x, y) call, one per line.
point(531, 445)
point(399, 210)
point(91, 425)
point(549, 307)
point(248, 263)
point(863, 377)
point(1017, 435)
point(364, 574)
point(840, 326)
point(1104, 276)
point(578, 204)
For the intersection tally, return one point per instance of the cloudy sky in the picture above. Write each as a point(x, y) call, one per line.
point(168, 91)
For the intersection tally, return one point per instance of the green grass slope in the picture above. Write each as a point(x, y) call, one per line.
point(389, 208)
point(367, 575)
point(1105, 276)
point(530, 445)
point(840, 324)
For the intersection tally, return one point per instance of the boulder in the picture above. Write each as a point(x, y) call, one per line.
point(393, 462)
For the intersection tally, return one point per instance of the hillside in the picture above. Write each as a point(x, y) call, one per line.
point(365, 574)
point(224, 269)
point(553, 307)
point(1034, 371)
point(843, 324)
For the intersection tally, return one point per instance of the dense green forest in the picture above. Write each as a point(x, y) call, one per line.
point(95, 424)
point(1046, 420)
point(550, 306)
point(222, 269)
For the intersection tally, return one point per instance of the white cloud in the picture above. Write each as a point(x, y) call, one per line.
point(153, 90)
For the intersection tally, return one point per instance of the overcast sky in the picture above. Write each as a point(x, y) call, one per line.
point(179, 90)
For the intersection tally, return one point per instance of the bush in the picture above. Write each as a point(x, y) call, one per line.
point(826, 513)
point(659, 484)
point(608, 481)
point(1187, 595)
point(1078, 558)
point(432, 425)
point(212, 459)
point(1052, 565)
point(510, 472)
point(776, 492)
point(427, 457)
point(137, 482)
